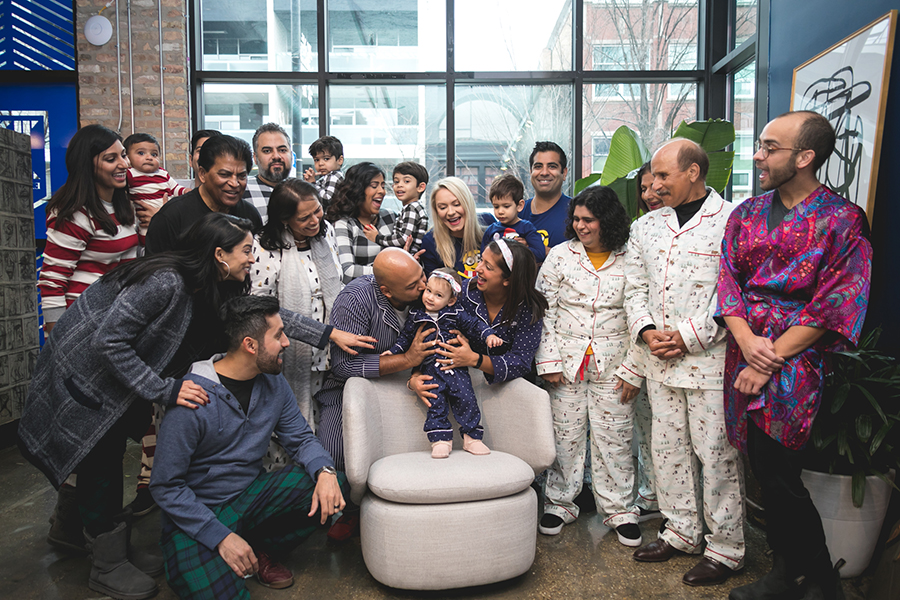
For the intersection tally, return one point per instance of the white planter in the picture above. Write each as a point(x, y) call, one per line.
point(851, 533)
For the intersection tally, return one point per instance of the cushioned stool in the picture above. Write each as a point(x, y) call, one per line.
point(467, 520)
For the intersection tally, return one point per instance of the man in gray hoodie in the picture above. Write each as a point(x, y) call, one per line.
point(225, 519)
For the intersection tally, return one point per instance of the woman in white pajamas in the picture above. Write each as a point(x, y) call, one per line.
point(584, 356)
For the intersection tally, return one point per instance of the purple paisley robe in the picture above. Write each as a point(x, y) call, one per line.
point(814, 270)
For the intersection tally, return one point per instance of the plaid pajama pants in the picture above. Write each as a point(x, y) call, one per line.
point(270, 515)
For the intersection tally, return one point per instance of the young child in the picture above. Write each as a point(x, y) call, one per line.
point(328, 157)
point(410, 181)
point(148, 183)
point(454, 386)
point(508, 197)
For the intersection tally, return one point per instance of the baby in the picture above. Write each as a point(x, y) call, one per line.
point(507, 196)
point(454, 386)
point(147, 183)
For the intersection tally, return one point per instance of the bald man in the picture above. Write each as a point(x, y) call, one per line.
point(376, 304)
point(671, 270)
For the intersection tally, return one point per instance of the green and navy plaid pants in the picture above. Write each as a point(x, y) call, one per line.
point(270, 515)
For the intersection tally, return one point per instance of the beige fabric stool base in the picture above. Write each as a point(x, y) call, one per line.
point(489, 540)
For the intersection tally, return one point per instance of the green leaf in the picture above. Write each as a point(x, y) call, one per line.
point(712, 135)
point(840, 396)
point(626, 190)
point(720, 164)
point(879, 437)
point(872, 401)
point(626, 153)
point(864, 427)
point(858, 491)
point(585, 182)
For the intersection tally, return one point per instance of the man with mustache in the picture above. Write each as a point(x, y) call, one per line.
point(671, 269)
point(273, 158)
point(226, 520)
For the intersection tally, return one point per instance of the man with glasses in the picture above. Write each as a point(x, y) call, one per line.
point(793, 286)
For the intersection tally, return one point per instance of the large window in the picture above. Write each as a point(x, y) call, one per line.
point(464, 87)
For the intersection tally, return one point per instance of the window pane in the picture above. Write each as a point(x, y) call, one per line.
point(391, 124)
point(500, 35)
point(239, 109)
point(401, 35)
point(497, 127)
point(652, 110)
point(259, 35)
point(632, 35)
point(744, 21)
point(743, 95)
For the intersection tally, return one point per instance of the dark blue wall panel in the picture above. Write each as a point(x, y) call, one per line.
point(823, 23)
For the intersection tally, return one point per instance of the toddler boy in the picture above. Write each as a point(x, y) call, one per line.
point(328, 157)
point(147, 183)
point(507, 195)
point(410, 181)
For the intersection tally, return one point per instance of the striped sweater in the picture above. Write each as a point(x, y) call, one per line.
point(78, 254)
point(151, 188)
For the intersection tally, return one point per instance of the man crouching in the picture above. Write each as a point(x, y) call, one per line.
point(225, 519)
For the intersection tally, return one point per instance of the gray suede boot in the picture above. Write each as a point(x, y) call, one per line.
point(150, 563)
point(65, 524)
point(111, 573)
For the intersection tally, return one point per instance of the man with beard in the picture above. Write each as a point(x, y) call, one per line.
point(671, 268)
point(272, 154)
point(225, 520)
point(793, 286)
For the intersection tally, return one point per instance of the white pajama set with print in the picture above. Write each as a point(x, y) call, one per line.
point(586, 311)
point(671, 273)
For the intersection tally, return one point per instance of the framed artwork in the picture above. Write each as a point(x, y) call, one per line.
point(848, 84)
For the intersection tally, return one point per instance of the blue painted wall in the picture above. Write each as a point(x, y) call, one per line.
point(60, 100)
point(799, 31)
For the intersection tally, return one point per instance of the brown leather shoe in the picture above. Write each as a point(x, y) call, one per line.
point(657, 551)
point(273, 574)
point(707, 572)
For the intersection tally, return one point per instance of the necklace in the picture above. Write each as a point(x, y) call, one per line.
point(302, 244)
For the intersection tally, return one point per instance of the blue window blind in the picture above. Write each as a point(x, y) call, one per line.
point(36, 35)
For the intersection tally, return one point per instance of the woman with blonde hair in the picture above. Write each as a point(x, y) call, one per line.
point(455, 238)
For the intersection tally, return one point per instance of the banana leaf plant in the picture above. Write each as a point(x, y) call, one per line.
point(627, 153)
point(857, 429)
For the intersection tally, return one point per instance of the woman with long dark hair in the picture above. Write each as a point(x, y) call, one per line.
point(296, 261)
point(90, 221)
point(111, 352)
point(585, 357)
point(355, 204)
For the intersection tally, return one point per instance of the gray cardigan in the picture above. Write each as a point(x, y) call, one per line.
point(106, 351)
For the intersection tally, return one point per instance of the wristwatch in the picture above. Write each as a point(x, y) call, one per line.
point(329, 470)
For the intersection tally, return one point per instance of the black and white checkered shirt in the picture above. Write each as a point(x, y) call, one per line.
point(412, 222)
point(326, 185)
point(257, 194)
point(355, 251)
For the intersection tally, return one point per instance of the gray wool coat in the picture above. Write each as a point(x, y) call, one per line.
point(106, 352)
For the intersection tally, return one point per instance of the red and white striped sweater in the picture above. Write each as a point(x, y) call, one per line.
point(150, 189)
point(78, 254)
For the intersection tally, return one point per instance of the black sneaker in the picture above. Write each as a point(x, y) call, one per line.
point(143, 502)
point(550, 524)
point(649, 515)
point(629, 534)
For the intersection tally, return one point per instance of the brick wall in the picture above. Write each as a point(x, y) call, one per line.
point(98, 82)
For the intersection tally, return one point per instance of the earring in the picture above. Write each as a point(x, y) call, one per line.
point(227, 266)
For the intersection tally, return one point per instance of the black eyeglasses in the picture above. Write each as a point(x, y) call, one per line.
point(766, 150)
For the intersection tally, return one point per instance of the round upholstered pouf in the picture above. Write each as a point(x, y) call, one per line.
point(446, 546)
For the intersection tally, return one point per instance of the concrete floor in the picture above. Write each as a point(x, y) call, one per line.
point(584, 561)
